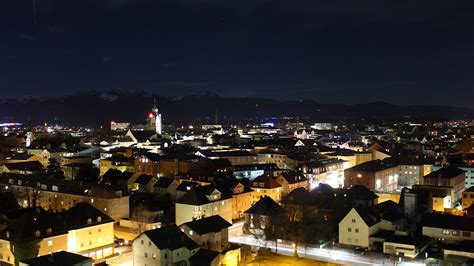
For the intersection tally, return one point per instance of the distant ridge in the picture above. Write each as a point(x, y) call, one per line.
point(99, 107)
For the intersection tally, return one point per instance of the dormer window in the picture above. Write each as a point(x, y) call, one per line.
point(89, 220)
point(49, 231)
point(37, 233)
point(99, 219)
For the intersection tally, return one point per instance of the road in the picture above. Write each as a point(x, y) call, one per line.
point(330, 254)
point(124, 259)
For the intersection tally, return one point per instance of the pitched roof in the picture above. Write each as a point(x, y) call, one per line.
point(369, 217)
point(446, 221)
point(445, 172)
point(143, 179)
point(223, 154)
point(142, 135)
point(207, 225)
point(199, 196)
point(388, 210)
point(58, 258)
point(372, 166)
point(265, 206)
point(203, 257)
point(170, 237)
point(361, 192)
point(164, 182)
point(268, 182)
point(294, 177)
point(25, 166)
point(187, 186)
point(26, 225)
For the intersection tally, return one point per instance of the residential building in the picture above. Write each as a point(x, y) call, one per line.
point(357, 226)
point(236, 157)
point(282, 161)
point(449, 176)
point(242, 197)
point(377, 174)
point(57, 195)
point(266, 186)
point(147, 163)
point(467, 197)
point(352, 158)
point(326, 171)
point(261, 217)
point(201, 202)
point(163, 246)
point(23, 168)
point(166, 185)
point(253, 171)
point(451, 228)
point(468, 171)
point(75, 160)
point(82, 230)
point(209, 232)
point(121, 163)
point(291, 181)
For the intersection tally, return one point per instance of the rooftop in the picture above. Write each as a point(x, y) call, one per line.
point(445, 172)
point(212, 224)
point(170, 237)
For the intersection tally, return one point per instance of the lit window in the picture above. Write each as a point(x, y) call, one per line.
point(191, 232)
point(50, 243)
point(445, 232)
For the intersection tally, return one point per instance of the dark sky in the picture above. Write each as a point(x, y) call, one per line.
point(332, 51)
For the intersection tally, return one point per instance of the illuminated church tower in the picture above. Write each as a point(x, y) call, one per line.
point(154, 119)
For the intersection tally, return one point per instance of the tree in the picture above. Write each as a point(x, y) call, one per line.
point(142, 216)
point(32, 195)
point(23, 250)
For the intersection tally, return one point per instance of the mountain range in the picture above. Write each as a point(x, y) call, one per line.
point(99, 107)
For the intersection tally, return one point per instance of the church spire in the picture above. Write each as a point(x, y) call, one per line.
point(154, 109)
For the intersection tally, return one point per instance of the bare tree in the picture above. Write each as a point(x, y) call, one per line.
point(142, 216)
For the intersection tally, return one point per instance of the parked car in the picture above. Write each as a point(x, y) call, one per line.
point(119, 242)
point(361, 250)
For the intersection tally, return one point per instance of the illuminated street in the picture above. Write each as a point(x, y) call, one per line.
point(332, 254)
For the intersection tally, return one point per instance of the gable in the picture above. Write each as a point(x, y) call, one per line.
point(352, 214)
point(299, 143)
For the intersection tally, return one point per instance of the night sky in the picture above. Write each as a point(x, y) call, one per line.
point(332, 51)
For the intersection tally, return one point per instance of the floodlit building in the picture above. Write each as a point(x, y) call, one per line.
point(163, 246)
point(201, 202)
